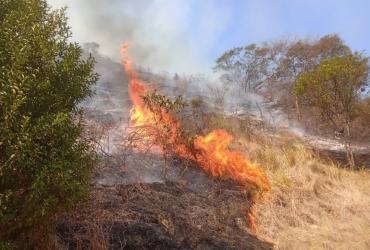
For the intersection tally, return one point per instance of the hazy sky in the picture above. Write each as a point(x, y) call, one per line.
point(188, 35)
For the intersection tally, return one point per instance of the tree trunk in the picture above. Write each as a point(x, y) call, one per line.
point(348, 146)
point(297, 108)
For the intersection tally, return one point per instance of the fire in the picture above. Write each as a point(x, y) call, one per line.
point(211, 152)
point(217, 160)
point(139, 115)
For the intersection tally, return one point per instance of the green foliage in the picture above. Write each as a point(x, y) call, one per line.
point(45, 163)
point(166, 129)
point(334, 86)
point(156, 102)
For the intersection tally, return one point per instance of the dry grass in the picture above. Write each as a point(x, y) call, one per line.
point(313, 204)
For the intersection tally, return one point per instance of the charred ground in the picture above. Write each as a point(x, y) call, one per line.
point(168, 215)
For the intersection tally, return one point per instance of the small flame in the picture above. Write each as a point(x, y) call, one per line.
point(211, 151)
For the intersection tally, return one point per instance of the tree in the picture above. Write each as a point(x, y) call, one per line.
point(45, 162)
point(304, 55)
point(334, 87)
point(246, 66)
point(273, 67)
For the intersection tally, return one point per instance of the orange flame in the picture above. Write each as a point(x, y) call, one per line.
point(211, 150)
point(139, 115)
point(217, 160)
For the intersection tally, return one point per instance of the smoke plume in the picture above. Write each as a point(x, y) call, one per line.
point(157, 30)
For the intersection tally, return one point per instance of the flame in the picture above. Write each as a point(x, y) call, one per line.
point(138, 114)
point(217, 160)
point(211, 152)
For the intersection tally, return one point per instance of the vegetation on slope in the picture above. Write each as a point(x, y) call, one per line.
point(45, 161)
point(319, 83)
point(314, 203)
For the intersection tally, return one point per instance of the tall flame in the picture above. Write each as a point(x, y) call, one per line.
point(139, 115)
point(211, 151)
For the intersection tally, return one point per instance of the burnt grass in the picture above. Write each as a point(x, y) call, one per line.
point(168, 215)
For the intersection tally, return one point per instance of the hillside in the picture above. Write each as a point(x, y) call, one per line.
point(313, 204)
point(141, 201)
point(184, 125)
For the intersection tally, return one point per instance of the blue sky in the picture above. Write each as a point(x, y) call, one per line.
point(188, 35)
point(259, 20)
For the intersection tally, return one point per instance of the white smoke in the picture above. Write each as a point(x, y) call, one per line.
point(159, 30)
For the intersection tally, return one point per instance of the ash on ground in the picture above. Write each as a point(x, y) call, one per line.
point(185, 210)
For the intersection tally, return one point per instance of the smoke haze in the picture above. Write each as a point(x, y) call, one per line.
point(157, 30)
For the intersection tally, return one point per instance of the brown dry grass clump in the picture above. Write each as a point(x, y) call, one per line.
point(314, 204)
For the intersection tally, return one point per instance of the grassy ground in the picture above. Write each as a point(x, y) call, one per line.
point(313, 204)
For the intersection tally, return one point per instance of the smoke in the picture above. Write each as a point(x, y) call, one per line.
point(165, 35)
point(158, 30)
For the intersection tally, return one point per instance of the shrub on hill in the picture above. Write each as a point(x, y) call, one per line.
point(45, 162)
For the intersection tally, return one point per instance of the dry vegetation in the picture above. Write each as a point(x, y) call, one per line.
point(161, 216)
point(314, 204)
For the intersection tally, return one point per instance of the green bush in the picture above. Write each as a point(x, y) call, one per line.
point(45, 162)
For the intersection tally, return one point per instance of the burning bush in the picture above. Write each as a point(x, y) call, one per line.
point(153, 115)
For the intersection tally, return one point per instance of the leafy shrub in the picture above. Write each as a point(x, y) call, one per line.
point(45, 162)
